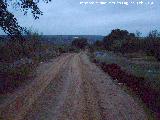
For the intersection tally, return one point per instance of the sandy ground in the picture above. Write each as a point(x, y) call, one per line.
point(78, 90)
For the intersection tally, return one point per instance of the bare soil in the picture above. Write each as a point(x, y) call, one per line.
point(73, 88)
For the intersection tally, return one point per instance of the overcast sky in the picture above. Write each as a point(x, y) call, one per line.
point(69, 17)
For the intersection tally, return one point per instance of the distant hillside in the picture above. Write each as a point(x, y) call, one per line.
point(67, 39)
point(64, 39)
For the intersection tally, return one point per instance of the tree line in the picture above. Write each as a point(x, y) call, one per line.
point(125, 42)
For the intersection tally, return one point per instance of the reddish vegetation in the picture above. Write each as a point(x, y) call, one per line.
point(136, 84)
point(13, 78)
point(10, 83)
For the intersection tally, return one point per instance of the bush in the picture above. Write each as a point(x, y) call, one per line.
point(18, 59)
point(125, 42)
point(13, 77)
point(80, 43)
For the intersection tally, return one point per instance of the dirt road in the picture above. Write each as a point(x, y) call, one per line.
point(78, 90)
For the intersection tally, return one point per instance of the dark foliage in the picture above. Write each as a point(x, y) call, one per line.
point(9, 23)
point(125, 42)
point(116, 39)
point(99, 45)
point(15, 67)
point(80, 43)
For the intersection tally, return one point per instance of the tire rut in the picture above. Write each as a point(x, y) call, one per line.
point(93, 108)
point(72, 107)
point(47, 104)
point(114, 103)
point(80, 91)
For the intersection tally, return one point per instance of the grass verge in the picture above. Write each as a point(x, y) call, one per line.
point(135, 86)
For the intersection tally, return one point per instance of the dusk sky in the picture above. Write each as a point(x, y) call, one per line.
point(69, 17)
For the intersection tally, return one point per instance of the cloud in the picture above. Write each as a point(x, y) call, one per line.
point(69, 17)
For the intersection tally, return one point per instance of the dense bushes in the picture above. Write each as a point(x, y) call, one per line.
point(80, 43)
point(13, 77)
point(115, 40)
point(19, 58)
point(125, 42)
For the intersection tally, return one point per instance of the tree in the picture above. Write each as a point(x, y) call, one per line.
point(98, 43)
point(9, 23)
point(115, 39)
point(153, 35)
point(153, 44)
point(80, 43)
point(138, 34)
